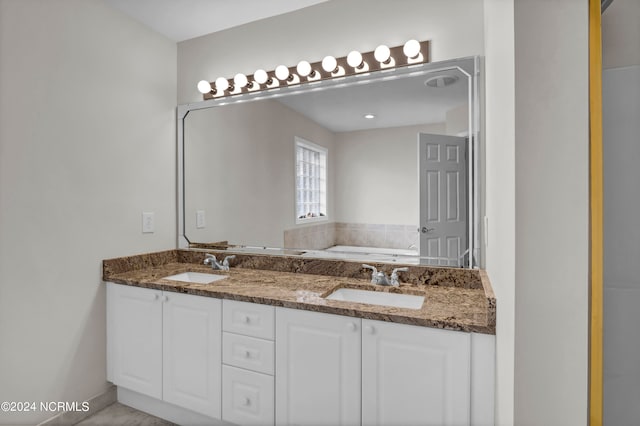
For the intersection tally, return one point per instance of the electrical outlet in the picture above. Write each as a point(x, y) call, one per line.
point(148, 222)
point(201, 221)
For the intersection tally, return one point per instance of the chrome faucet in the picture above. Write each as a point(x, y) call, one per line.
point(210, 259)
point(380, 278)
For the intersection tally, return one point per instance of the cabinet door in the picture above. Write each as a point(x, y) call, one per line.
point(317, 368)
point(414, 375)
point(192, 335)
point(134, 338)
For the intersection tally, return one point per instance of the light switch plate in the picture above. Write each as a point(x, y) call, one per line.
point(148, 222)
point(201, 221)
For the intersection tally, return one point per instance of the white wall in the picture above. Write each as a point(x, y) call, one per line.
point(87, 142)
point(376, 174)
point(621, 34)
point(332, 28)
point(552, 212)
point(240, 170)
point(500, 191)
point(621, 109)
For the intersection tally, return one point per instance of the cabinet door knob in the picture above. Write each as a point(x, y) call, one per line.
point(247, 354)
point(351, 326)
point(247, 401)
point(165, 298)
point(156, 296)
point(369, 329)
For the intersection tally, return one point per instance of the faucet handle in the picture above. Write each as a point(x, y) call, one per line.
point(208, 258)
point(395, 279)
point(374, 273)
point(225, 262)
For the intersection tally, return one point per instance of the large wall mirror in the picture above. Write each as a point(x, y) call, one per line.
point(380, 167)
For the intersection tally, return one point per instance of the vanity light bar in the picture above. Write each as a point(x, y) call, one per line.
point(412, 52)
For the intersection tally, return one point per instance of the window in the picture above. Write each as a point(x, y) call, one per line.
point(311, 181)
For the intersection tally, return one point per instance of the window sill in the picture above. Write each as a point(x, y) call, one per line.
point(308, 220)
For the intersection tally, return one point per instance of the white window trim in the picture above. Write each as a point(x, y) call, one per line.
point(310, 145)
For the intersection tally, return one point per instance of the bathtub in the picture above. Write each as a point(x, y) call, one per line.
point(366, 254)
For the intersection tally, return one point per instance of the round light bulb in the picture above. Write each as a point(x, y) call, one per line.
point(382, 53)
point(222, 84)
point(240, 80)
point(411, 49)
point(354, 59)
point(329, 64)
point(204, 87)
point(304, 68)
point(260, 76)
point(282, 72)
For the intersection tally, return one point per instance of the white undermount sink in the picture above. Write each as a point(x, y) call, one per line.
point(409, 301)
point(195, 277)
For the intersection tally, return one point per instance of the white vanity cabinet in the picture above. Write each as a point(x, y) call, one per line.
point(317, 368)
point(414, 375)
point(233, 362)
point(336, 370)
point(166, 345)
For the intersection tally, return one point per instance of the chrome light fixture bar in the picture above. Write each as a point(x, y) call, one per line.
point(383, 57)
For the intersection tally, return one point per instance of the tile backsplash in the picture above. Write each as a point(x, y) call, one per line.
point(325, 235)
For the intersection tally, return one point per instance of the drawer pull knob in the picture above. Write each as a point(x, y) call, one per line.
point(247, 402)
point(246, 319)
point(247, 354)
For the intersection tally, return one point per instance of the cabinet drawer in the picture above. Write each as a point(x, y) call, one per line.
point(249, 319)
point(248, 352)
point(247, 397)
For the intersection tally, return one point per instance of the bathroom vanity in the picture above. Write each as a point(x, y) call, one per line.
point(265, 345)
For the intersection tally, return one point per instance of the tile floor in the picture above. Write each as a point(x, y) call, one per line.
point(117, 414)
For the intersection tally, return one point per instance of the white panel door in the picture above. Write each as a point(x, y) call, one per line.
point(414, 375)
point(135, 338)
point(443, 199)
point(192, 333)
point(317, 368)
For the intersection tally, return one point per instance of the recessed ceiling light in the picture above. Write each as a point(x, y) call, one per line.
point(369, 116)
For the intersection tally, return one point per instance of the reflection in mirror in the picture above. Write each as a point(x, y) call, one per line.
point(373, 168)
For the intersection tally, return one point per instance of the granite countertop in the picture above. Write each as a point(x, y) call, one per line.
point(455, 306)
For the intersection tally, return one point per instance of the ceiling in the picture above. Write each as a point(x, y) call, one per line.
point(395, 103)
point(181, 20)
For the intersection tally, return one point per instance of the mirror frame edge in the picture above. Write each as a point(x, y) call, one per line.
point(470, 65)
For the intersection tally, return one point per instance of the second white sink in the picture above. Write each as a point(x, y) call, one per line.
point(195, 277)
point(409, 301)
